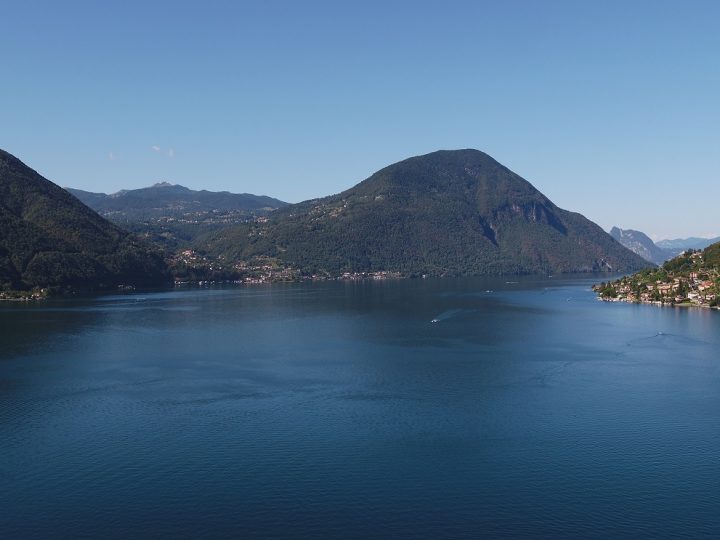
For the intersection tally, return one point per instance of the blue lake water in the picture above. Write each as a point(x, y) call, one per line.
point(528, 410)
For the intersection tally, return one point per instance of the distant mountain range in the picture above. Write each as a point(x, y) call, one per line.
point(49, 238)
point(445, 213)
point(172, 216)
point(681, 244)
point(171, 200)
point(661, 251)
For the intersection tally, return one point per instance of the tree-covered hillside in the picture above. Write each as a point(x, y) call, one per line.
point(48, 238)
point(172, 216)
point(445, 213)
point(171, 200)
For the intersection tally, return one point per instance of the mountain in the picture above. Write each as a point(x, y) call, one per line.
point(172, 216)
point(679, 245)
point(445, 213)
point(661, 251)
point(640, 243)
point(168, 200)
point(49, 238)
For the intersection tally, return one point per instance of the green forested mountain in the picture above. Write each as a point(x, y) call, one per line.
point(172, 216)
point(172, 200)
point(49, 238)
point(444, 213)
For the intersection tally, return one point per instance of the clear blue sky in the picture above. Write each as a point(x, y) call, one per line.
point(610, 108)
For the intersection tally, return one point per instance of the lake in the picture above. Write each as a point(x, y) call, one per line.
point(339, 410)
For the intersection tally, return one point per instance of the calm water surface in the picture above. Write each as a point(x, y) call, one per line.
point(340, 410)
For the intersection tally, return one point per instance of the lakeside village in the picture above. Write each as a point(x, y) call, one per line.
point(191, 268)
point(25, 296)
point(691, 279)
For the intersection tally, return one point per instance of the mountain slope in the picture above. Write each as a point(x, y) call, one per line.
point(49, 238)
point(448, 212)
point(640, 243)
point(164, 200)
point(172, 216)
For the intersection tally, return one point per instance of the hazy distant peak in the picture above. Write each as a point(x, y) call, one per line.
point(687, 243)
point(640, 243)
point(617, 232)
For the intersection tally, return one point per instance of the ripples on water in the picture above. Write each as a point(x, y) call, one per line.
point(339, 410)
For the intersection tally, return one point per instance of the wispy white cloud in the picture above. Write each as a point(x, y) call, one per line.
point(170, 152)
point(111, 156)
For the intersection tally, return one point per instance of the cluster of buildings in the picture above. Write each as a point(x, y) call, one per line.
point(191, 267)
point(204, 217)
point(677, 292)
point(360, 276)
point(24, 296)
point(663, 287)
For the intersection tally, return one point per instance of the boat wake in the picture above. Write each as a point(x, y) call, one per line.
point(665, 339)
point(445, 315)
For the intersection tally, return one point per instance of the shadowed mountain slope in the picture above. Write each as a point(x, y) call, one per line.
point(49, 238)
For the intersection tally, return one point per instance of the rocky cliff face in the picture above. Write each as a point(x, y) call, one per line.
point(640, 243)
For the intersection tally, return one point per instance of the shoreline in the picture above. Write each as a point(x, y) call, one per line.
point(657, 304)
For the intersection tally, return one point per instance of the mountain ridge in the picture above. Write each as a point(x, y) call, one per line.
point(450, 212)
point(164, 199)
point(680, 244)
point(662, 250)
